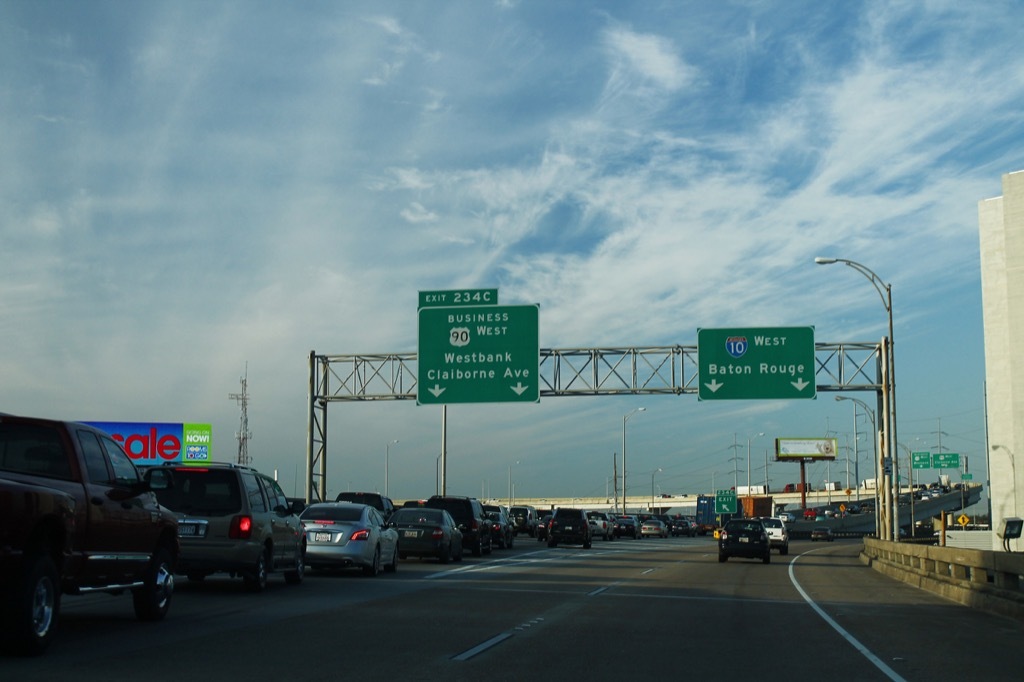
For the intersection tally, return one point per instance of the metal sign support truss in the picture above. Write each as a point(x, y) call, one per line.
point(633, 370)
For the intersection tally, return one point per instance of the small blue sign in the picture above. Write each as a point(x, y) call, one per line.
point(736, 346)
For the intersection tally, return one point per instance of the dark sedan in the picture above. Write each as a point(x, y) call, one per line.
point(627, 526)
point(542, 528)
point(823, 533)
point(744, 538)
point(427, 532)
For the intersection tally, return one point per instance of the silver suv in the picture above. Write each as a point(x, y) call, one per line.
point(235, 520)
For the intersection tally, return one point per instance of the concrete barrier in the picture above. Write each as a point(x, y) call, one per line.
point(982, 579)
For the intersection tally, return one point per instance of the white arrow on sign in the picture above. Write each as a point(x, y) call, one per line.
point(714, 385)
point(436, 390)
point(800, 385)
point(519, 388)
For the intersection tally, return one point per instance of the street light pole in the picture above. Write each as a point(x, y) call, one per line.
point(510, 482)
point(653, 474)
point(625, 418)
point(761, 433)
point(874, 426)
point(387, 460)
point(885, 293)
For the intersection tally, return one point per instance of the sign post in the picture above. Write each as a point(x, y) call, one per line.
point(756, 363)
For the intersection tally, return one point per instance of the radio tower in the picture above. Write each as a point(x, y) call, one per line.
point(243, 434)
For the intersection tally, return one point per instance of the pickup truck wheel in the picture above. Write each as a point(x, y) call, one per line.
point(32, 620)
point(153, 600)
point(256, 580)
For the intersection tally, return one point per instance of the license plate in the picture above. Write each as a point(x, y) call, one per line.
point(411, 534)
point(321, 537)
point(188, 530)
point(744, 539)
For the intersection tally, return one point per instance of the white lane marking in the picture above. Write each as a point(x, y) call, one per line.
point(878, 663)
point(483, 646)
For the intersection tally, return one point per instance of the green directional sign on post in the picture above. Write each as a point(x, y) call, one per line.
point(921, 460)
point(756, 363)
point(725, 502)
point(946, 460)
point(478, 354)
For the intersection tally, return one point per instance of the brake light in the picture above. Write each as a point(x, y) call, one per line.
point(723, 535)
point(437, 534)
point(241, 528)
point(361, 534)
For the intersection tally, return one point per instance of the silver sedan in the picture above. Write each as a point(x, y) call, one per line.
point(653, 528)
point(349, 535)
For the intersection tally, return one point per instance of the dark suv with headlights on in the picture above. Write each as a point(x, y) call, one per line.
point(744, 538)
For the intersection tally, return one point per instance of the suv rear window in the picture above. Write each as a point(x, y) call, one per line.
point(375, 500)
point(461, 510)
point(210, 492)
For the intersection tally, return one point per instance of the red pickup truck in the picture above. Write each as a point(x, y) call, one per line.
point(75, 517)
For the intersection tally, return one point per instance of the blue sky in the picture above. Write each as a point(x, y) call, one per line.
point(190, 189)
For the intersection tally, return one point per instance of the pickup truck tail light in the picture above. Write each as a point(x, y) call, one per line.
point(241, 527)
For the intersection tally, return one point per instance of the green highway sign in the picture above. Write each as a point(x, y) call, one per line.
point(756, 363)
point(725, 502)
point(921, 460)
point(966, 477)
point(478, 354)
point(946, 460)
point(441, 299)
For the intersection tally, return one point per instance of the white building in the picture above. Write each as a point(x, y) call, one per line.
point(1001, 227)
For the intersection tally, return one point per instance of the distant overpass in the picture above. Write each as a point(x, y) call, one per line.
point(687, 505)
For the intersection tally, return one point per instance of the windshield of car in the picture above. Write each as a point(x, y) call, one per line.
point(323, 512)
point(772, 523)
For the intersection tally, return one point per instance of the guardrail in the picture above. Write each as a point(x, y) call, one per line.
point(983, 579)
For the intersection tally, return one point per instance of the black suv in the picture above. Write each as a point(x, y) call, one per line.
point(569, 526)
point(744, 538)
point(382, 504)
point(469, 516)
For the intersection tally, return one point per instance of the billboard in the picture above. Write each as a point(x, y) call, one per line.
point(148, 444)
point(805, 448)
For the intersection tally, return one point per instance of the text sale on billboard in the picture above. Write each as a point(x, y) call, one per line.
point(148, 444)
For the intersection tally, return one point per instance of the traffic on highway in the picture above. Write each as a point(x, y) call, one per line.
point(611, 608)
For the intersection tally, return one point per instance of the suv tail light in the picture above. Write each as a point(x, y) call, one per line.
point(241, 527)
point(361, 534)
point(723, 534)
